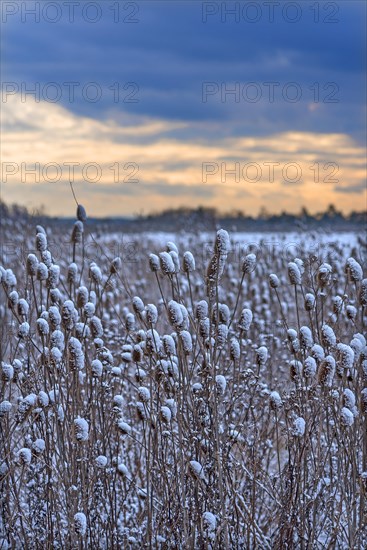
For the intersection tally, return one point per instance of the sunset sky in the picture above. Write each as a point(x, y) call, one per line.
point(151, 104)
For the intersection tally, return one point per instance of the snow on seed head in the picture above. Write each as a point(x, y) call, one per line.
point(77, 233)
point(151, 314)
point(124, 427)
point(222, 243)
point(46, 258)
point(188, 262)
point(305, 338)
point(144, 394)
point(346, 417)
point(81, 296)
point(310, 301)
point(249, 264)
point(80, 523)
point(324, 275)
point(299, 427)
point(351, 312)
point(261, 355)
point(43, 399)
point(53, 276)
point(175, 314)
point(275, 400)
point(5, 408)
point(234, 349)
point(273, 281)
point(122, 470)
point(349, 399)
point(76, 353)
point(166, 414)
point(7, 371)
point(337, 304)
point(24, 456)
point(363, 293)
point(153, 263)
point(176, 260)
point(209, 524)
point(294, 274)
point(169, 345)
point(326, 371)
point(57, 339)
point(115, 265)
point(328, 338)
point(224, 314)
point(38, 446)
point(153, 341)
point(42, 327)
point(309, 367)
point(221, 336)
point(196, 469)
point(96, 327)
point(101, 461)
point(42, 272)
point(166, 263)
point(81, 429)
point(201, 310)
point(245, 319)
point(9, 279)
point(95, 273)
point(32, 263)
point(345, 356)
point(186, 341)
point(130, 322)
point(295, 369)
point(171, 247)
point(317, 352)
point(13, 299)
point(221, 384)
point(364, 401)
point(23, 330)
point(96, 368)
point(41, 242)
point(138, 305)
point(353, 270)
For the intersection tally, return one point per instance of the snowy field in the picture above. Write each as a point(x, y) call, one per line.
point(182, 391)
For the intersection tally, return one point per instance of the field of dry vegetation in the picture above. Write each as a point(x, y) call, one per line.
point(180, 400)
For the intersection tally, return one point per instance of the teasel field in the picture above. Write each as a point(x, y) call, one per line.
point(196, 391)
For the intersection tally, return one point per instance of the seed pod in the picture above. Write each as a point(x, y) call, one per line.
point(153, 262)
point(169, 345)
point(346, 417)
point(201, 310)
point(80, 523)
point(81, 213)
point(96, 327)
point(188, 262)
point(81, 296)
point(81, 429)
point(328, 338)
point(72, 273)
point(294, 274)
point(41, 242)
point(234, 348)
point(245, 320)
point(151, 314)
point(249, 264)
point(186, 341)
point(310, 302)
point(95, 273)
point(221, 384)
point(32, 263)
point(353, 270)
point(305, 338)
point(326, 371)
point(309, 367)
point(167, 264)
point(324, 275)
point(295, 369)
point(299, 427)
point(261, 356)
point(115, 266)
point(175, 314)
point(275, 400)
point(363, 293)
point(42, 272)
point(273, 281)
point(138, 305)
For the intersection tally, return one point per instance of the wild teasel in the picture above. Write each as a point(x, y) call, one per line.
point(353, 270)
point(326, 371)
point(294, 274)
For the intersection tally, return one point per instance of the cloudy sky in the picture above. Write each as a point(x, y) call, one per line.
point(155, 104)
